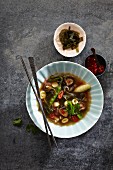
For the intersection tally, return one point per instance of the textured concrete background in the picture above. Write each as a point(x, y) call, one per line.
point(27, 28)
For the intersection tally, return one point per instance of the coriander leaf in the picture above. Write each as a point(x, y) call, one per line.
point(17, 122)
point(70, 108)
point(32, 128)
point(77, 107)
point(79, 116)
point(73, 109)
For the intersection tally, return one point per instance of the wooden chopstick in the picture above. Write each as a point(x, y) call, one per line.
point(37, 95)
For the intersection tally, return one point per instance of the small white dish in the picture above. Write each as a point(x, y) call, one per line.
point(58, 45)
point(96, 106)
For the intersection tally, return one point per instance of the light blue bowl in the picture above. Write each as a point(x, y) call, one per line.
point(95, 108)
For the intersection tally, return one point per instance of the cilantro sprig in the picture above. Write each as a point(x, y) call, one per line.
point(29, 128)
point(17, 122)
point(74, 109)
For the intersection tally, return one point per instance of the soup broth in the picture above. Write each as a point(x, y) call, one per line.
point(66, 98)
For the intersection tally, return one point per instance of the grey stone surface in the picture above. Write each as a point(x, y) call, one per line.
point(27, 28)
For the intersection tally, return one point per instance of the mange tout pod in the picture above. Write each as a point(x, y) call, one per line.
point(82, 88)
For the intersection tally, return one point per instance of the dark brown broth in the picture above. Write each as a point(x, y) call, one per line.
point(78, 81)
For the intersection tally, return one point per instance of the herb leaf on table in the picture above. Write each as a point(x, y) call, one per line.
point(32, 128)
point(17, 122)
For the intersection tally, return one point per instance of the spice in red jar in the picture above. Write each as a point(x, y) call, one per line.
point(101, 69)
point(93, 67)
point(95, 63)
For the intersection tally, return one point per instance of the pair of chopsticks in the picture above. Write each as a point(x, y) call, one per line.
point(37, 95)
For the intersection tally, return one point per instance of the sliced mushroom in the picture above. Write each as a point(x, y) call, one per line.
point(82, 106)
point(66, 90)
point(69, 81)
point(54, 118)
point(69, 89)
point(83, 97)
point(56, 111)
point(72, 87)
point(63, 112)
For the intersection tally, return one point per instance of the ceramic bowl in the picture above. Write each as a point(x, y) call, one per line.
point(96, 106)
point(101, 61)
point(58, 45)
